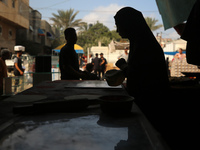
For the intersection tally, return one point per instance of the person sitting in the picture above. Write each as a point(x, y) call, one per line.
point(89, 70)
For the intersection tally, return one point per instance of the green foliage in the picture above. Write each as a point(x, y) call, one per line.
point(151, 22)
point(65, 19)
point(115, 36)
point(92, 34)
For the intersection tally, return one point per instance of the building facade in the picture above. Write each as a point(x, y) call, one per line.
point(38, 37)
point(29, 37)
point(13, 16)
point(48, 36)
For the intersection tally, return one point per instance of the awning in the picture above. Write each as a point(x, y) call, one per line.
point(49, 35)
point(174, 12)
point(41, 32)
point(78, 49)
point(56, 50)
point(173, 53)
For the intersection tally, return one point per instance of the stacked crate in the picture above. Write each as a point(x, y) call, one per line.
point(178, 66)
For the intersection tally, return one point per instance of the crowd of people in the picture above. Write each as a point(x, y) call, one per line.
point(100, 65)
point(96, 65)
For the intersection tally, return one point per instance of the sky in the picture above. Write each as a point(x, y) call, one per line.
point(91, 11)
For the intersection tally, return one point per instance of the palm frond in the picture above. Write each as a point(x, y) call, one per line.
point(65, 19)
point(151, 22)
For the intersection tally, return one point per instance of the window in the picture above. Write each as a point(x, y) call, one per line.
point(10, 33)
point(1, 30)
point(13, 3)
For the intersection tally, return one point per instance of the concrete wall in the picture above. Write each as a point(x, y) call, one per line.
point(17, 13)
point(13, 16)
point(8, 35)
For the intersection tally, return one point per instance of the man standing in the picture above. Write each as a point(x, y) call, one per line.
point(125, 54)
point(18, 70)
point(90, 58)
point(5, 54)
point(180, 55)
point(96, 62)
point(103, 65)
point(68, 58)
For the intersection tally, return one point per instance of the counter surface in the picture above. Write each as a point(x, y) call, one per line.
point(86, 130)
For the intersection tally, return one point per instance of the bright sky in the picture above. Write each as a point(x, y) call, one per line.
point(103, 11)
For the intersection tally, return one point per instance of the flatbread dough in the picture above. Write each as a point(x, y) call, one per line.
point(25, 98)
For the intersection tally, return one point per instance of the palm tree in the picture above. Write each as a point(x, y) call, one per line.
point(65, 19)
point(85, 27)
point(151, 22)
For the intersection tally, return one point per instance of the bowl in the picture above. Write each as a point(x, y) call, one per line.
point(116, 104)
point(114, 77)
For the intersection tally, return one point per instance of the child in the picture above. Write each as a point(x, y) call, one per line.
point(89, 69)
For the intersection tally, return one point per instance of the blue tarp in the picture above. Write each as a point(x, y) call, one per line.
point(172, 53)
point(77, 51)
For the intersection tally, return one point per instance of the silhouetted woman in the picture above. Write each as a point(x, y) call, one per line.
point(147, 81)
point(146, 71)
